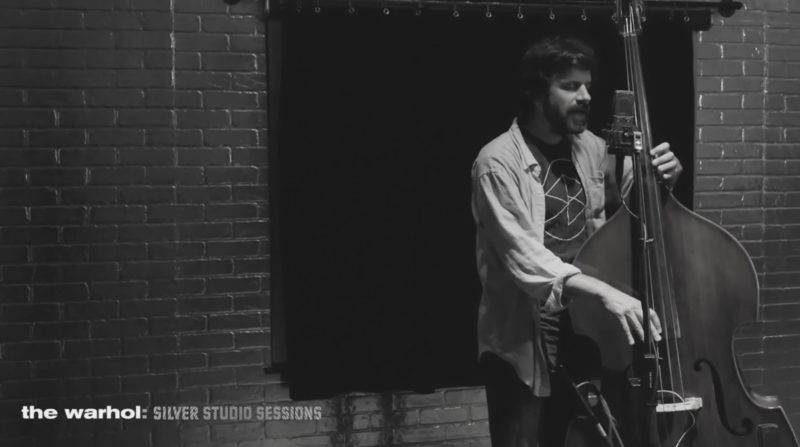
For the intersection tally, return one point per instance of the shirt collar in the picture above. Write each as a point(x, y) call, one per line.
point(524, 150)
point(519, 141)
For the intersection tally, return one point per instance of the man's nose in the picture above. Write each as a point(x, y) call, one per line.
point(583, 94)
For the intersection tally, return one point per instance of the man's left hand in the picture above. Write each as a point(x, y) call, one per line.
point(666, 162)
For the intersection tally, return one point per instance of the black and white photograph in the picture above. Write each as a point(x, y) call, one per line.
point(405, 223)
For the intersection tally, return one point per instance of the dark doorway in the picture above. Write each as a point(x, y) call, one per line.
point(381, 118)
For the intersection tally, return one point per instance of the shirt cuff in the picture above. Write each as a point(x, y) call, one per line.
point(555, 301)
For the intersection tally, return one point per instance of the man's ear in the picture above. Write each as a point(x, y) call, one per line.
point(537, 105)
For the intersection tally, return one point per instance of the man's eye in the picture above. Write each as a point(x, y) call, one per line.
point(574, 86)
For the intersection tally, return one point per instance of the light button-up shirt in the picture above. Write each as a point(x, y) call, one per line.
point(520, 276)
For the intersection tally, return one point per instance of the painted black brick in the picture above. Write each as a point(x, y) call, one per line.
point(173, 137)
point(116, 176)
point(115, 98)
point(87, 234)
point(92, 348)
point(86, 118)
point(88, 157)
point(203, 194)
point(147, 270)
point(232, 211)
point(38, 235)
point(230, 137)
point(231, 248)
point(175, 213)
point(146, 194)
point(174, 175)
point(26, 274)
point(205, 304)
point(61, 330)
point(237, 174)
point(27, 196)
point(13, 176)
point(176, 250)
point(58, 177)
point(91, 310)
point(69, 215)
point(15, 216)
point(206, 156)
point(14, 293)
point(205, 268)
point(118, 252)
point(149, 345)
point(175, 288)
point(203, 231)
point(96, 271)
point(60, 292)
point(200, 42)
point(175, 362)
point(120, 328)
point(233, 284)
point(119, 214)
point(29, 312)
point(182, 99)
point(251, 229)
point(60, 253)
point(114, 59)
point(118, 290)
point(146, 156)
point(172, 325)
point(146, 233)
point(38, 350)
point(203, 80)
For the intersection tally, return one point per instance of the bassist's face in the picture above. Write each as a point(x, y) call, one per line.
point(566, 105)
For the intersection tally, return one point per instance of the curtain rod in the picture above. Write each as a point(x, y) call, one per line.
point(725, 7)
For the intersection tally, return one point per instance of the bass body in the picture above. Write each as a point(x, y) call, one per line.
point(716, 290)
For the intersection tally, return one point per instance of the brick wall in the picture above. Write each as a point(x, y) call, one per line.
point(133, 213)
point(748, 173)
point(134, 254)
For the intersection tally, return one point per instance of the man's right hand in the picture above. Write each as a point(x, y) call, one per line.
point(627, 309)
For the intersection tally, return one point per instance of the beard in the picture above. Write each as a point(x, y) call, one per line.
point(573, 122)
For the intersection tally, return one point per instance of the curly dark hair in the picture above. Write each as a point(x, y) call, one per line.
point(549, 57)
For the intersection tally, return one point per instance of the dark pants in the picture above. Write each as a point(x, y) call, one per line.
point(517, 418)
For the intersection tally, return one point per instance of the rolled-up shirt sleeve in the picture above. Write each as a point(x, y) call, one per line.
point(501, 214)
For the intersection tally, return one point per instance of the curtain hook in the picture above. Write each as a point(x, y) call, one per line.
point(686, 17)
point(386, 9)
point(299, 6)
point(418, 10)
point(350, 8)
point(584, 17)
point(317, 7)
point(552, 15)
point(456, 14)
point(488, 11)
point(520, 15)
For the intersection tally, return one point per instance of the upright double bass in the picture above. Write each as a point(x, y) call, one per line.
point(685, 390)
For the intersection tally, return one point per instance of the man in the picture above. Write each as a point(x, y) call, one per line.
point(539, 191)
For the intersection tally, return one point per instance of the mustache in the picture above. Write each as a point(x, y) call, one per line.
point(579, 109)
